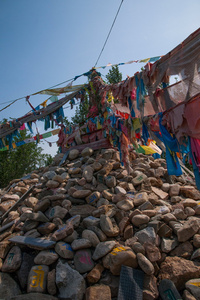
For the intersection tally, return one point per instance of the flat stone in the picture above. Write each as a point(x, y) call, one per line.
point(189, 211)
point(196, 255)
point(58, 178)
point(91, 221)
point(7, 197)
point(102, 249)
point(193, 286)
point(140, 198)
point(189, 202)
point(83, 261)
point(70, 283)
point(189, 229)
point(52, 184)
point(125, 205)
point(146, 235)
point(139, 179)
point(189, 192)
point(57, 212)
point(62, 232)
point(95, 274)
point(38, 217)
point(161, 194)
point(120, 190)
point(107, 227)
point(64, 250)
point(165, 187)
point(174, 190)
point(107, 195)
point(37, 279)
point(35, 243)
point(73, 154)
point(187, 295)
point(137, 247)
point(91, 236)
point(75, 220)
point(184, 250)
point(102, 237)
point(164, 230)
point(13, 260)
point(49, 175)
point(168, 245)
point(145, 264)
point(88, 173)
point(42, 205)
point(140, 220)
point(51, 282)
point(120, 256)
point(4, 206)
point(168, 217)
point(81, 244)
point(46, 257)
point(152, 252)
point(110, 181)
point(81, 194)
point(31, 201)
point(179, 214)
point(87, 152)
point(196, 240)
point(93, 198)
point(46, 228)
point(98, 292)
point(150, 289)
point(29, 225)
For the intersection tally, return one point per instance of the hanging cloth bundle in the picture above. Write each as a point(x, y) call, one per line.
point(171, 144)
point(194, 145)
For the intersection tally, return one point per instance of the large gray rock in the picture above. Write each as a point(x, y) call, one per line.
point(83, 261)
point(46, 257)
point(146, 235)
point(70, 283)
point(103, 248)
point(26, 265)
point(8, 286)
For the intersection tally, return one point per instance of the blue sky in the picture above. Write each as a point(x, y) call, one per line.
point(45, 42)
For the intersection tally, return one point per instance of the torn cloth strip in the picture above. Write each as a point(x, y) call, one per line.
point(194, 159)
point(171, 144)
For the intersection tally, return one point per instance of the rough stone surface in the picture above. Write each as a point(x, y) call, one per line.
point(103, 248)
point(13, 260)
point(94, 215)
point(98, 292)
point(179, 270)
point(70, 283)
point(7, 281)
point(83, 261)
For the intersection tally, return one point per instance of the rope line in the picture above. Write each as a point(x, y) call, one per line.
point(109, 33)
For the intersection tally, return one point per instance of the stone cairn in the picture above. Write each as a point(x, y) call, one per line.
point(84, 219)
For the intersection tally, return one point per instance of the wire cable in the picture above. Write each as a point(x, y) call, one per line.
point(109, 33)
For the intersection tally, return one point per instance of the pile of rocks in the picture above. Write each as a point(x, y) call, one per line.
point(86, 218)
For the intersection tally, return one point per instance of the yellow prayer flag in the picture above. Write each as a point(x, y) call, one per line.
point(44, 104)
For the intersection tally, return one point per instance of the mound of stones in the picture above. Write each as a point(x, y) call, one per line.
point(84, 219)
